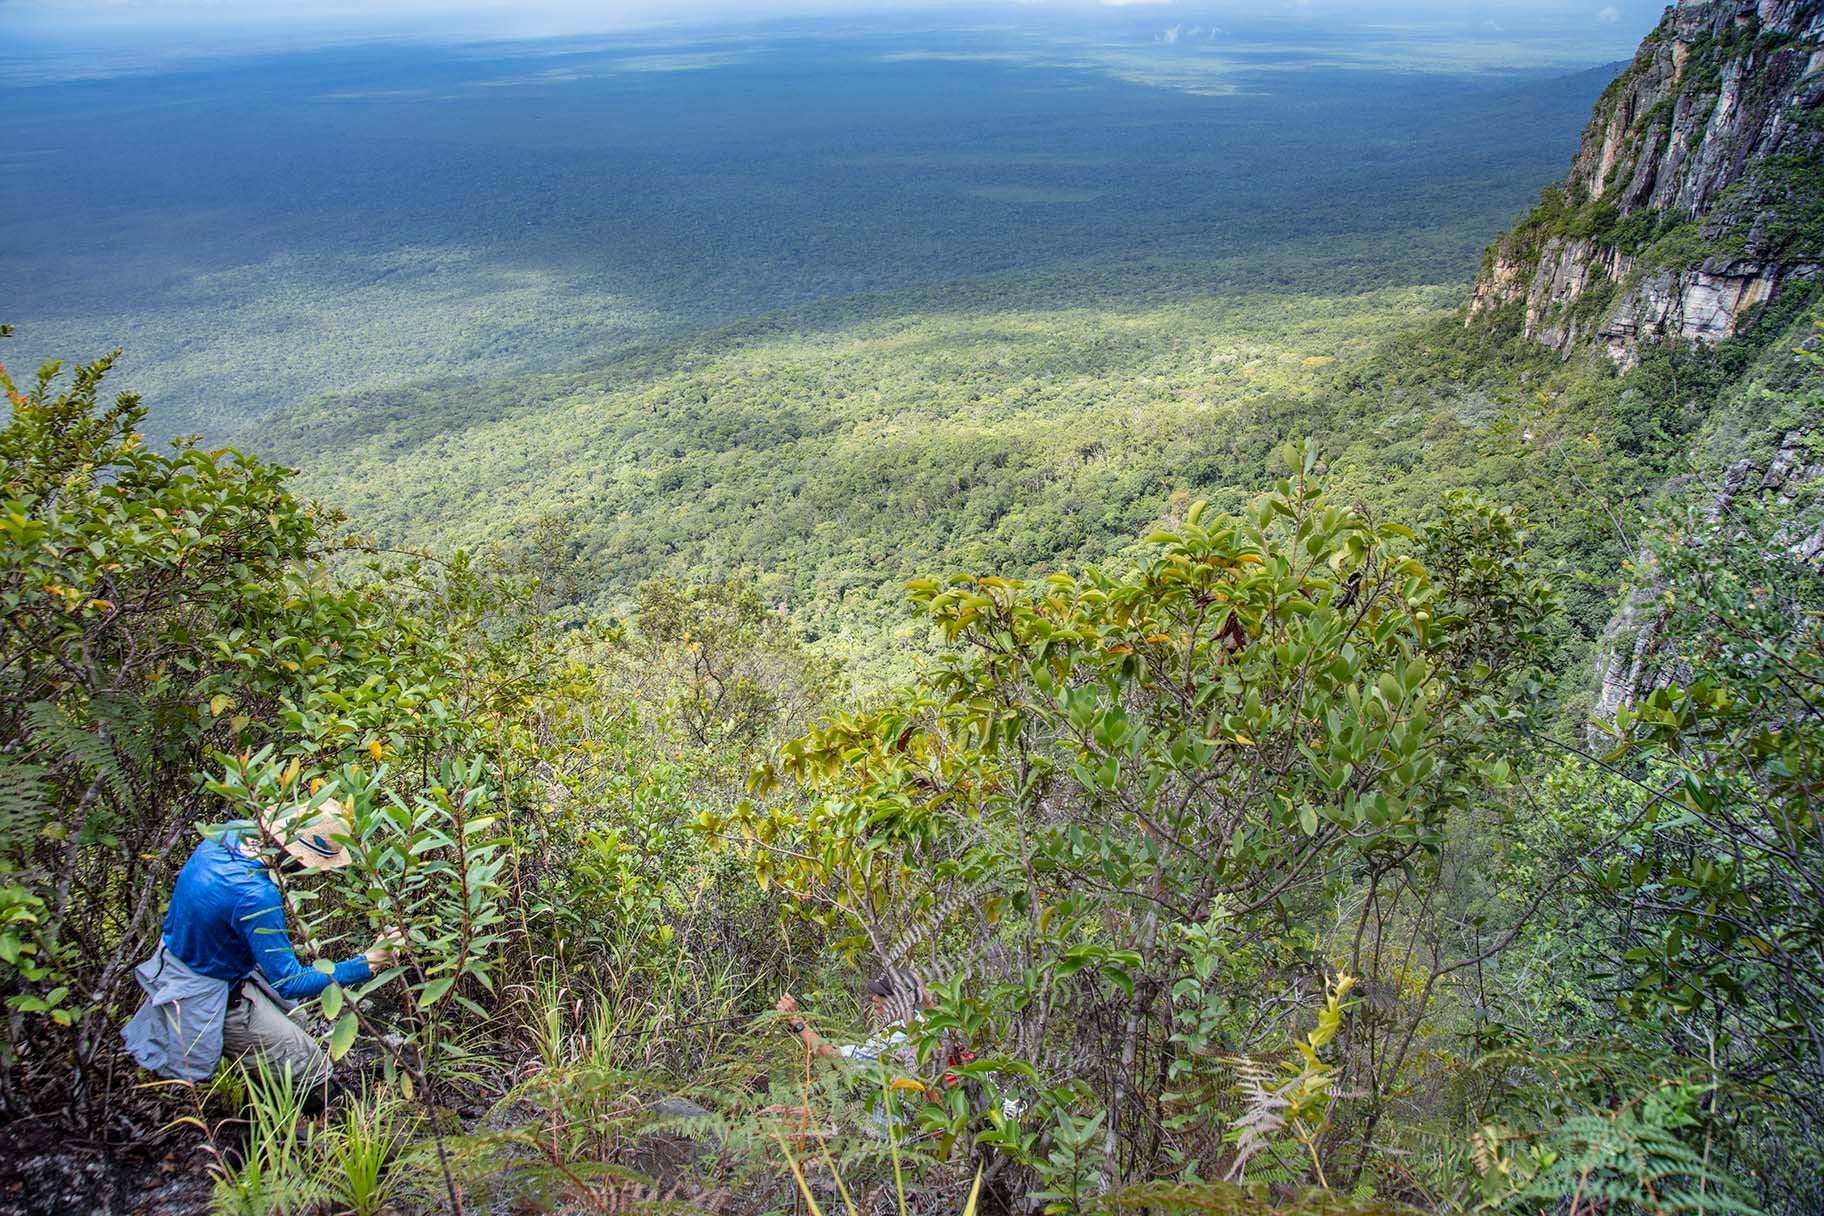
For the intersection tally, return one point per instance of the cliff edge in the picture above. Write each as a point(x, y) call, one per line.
point(1697, 193)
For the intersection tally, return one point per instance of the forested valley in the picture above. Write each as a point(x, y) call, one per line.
point(1059, 739)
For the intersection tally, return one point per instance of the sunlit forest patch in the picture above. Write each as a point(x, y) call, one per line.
point(833, 460)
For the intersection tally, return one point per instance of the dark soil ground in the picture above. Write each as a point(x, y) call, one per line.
point(45, 1171)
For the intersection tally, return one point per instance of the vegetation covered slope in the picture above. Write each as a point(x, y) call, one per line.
point(829, 459)
point(1249, 857)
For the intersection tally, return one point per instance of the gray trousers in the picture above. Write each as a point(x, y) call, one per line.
point(255, 1028)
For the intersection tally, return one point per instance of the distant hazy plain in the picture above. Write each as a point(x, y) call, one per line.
point(256, 231)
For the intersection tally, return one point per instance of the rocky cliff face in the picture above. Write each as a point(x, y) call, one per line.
point(1698, 191)
point(1635, 656)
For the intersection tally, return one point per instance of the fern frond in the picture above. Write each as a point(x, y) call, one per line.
point(25, 800)
point(127, 723)
point(89, 752)
point(1263, 1111)
point(1622, 1162)
point(925, 925)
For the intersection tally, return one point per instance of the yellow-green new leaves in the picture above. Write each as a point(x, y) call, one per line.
point(1329, 1020)
point(1249, 717)
point(1300, 1104)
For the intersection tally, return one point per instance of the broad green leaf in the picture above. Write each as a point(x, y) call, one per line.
point(343, 1036)
point(433, 991)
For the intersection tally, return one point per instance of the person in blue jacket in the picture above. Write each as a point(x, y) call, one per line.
point(225, 978)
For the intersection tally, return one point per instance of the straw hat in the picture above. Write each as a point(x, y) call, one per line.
point(314, 836)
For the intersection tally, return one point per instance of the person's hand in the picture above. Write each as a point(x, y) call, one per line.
point(786, 1004)
point(385, 948)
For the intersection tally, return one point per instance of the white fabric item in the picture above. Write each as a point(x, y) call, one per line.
point(890, 1051)
point(890, 1043)
point(177, 1033)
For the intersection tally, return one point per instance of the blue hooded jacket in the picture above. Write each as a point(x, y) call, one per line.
point(226, 918)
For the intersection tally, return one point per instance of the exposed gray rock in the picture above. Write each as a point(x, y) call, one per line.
point(1634, 657)
point(1713, 131)
point(1631, 660)
point(1720, 101)
point(1701, 305)
point(1567, 269)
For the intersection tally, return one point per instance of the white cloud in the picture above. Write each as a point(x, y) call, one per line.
point(1609, 15)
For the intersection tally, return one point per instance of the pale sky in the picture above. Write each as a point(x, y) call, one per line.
point(584, 15)
point(44, 40)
